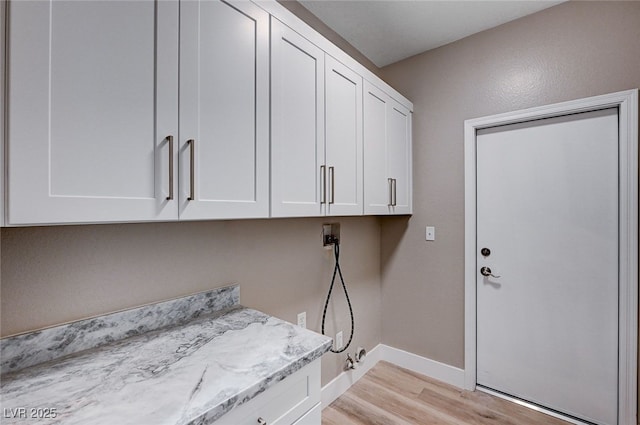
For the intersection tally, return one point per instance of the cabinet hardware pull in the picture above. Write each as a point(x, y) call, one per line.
point(333, 186)
point(192, 170)
point(170, 140)
point(262, 421)
point(395, 192)
point(323, 177)
point(390, 181)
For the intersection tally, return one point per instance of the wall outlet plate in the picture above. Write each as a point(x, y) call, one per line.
point(339, 341)
point(302, 319)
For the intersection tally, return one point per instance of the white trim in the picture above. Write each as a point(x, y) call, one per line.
point(442, 372)
point(627, 102)
point(628, 339)
point(431, 368)
point(469, 256)
point(346, 379)
point(298, 25)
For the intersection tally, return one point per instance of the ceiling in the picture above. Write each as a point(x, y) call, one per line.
point(387, 31)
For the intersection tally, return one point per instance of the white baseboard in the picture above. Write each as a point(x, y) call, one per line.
point(346, 379)
point(431, 368)
point(424, 366)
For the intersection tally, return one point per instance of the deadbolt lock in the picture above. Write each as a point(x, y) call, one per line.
point(485, 252)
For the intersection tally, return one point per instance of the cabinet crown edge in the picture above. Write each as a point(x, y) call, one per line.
point(281, 13)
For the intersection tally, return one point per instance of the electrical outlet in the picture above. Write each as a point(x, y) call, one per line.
point(302, 319)
point(339, 341)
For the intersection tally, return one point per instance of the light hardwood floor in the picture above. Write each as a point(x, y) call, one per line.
point(390, 395)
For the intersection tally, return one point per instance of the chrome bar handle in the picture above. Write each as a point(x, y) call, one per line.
point(395, 192)
point(333, 186)
point(192, 170)
point(323, 177)
point(390, 181)
point(170, 140)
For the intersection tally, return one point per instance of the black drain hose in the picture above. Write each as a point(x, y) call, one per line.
point(336, 270)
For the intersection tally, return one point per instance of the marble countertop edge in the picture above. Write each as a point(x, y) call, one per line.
point(250, 393)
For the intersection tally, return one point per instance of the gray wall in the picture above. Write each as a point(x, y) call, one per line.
point(570, 51)
point(57, 274)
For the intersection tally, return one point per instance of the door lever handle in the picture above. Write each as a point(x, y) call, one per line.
point(486, 271)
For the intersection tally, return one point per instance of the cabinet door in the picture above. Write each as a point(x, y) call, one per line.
point(312, 417)
point(92, 97)
point(297, 124)
point(284, 403)
point(387, 154)
point(224, 110)
point(377, 183)
point(399, 156)
point(343, 136)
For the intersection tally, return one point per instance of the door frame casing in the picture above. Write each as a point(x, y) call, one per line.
point(627, 104)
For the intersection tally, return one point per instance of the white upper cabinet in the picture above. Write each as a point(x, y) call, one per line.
point(94, 111)
point(92, 98)
point(343, 135)
point(297, 125)
point(147, 110)
point(224, 110)
point(377, 191)
point(387, 154)
point(316, 145)
point(399, 157)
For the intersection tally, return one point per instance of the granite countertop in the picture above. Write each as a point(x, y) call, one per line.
point(193, 370)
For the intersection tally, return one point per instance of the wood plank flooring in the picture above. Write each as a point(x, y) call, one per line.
point(390, 395)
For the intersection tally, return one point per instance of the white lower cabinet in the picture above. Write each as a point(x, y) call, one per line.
point(312, 417)
point(294, 400)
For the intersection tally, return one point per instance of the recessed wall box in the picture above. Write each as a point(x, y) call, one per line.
point(330, 233)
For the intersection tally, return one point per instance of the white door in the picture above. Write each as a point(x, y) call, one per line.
point(343, 105)
point(297, 125)
point(92, 101)
point(547, 215)
point(224, 110)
